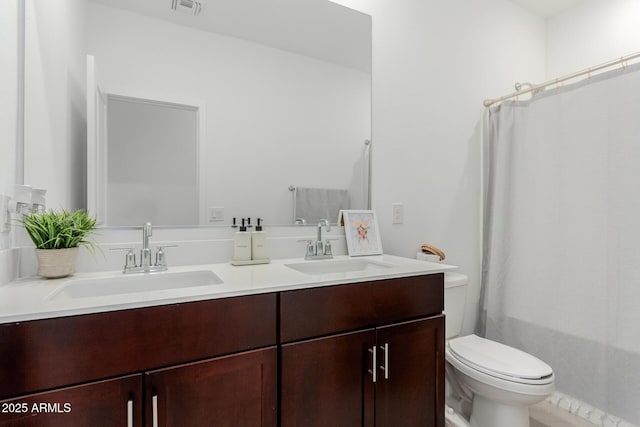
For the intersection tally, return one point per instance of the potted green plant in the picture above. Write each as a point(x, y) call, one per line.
point(58, 236)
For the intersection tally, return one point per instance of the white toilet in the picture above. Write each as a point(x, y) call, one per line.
point(500, 381)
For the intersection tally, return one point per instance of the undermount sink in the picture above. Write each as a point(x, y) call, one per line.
point(127, 284)
point(342, 266)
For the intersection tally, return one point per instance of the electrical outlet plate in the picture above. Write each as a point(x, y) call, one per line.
point(5, 225)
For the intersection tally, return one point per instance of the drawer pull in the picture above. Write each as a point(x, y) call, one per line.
point(374, 371)
point(154, 405)
point(385, 367)
point(130, 413)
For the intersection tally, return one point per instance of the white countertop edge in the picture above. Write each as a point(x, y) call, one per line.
point(26, 299)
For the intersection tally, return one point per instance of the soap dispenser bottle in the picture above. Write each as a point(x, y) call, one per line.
point(242, 244)
point(259, 250)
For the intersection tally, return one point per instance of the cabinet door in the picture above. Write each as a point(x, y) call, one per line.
point(410, 387)
point(325, 381)
point(239, 390)
point(109, 403)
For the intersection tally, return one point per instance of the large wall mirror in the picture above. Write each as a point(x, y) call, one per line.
point(274, 97)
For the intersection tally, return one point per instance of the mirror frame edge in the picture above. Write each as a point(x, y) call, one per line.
point(20, 92)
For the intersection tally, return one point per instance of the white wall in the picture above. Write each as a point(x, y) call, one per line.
point(55, 106)
point(272, 118)
point(434, 61)
point(591, 33)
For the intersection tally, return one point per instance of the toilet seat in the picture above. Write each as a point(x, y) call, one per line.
point(498, 361)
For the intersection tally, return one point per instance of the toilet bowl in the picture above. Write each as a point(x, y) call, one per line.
point(501, 381)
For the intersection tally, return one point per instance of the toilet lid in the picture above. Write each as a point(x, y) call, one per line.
point(498, 359)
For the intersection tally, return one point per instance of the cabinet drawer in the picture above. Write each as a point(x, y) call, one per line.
point(314, 312)
point(50, 353)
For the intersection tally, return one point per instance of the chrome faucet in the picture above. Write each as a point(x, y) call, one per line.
point(320, 250)
point(145, 252)
point(146, 264)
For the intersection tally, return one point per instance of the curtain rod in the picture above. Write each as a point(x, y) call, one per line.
point(533, 89)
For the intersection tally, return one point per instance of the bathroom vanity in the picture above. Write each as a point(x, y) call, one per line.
point(340, 349)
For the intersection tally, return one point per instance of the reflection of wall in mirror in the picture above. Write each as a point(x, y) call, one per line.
point(152, 167)
point(55, 100)
point(9, 85)
point(272, 119)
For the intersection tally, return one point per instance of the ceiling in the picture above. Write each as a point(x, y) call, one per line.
point(315, 28)
point(547, 8)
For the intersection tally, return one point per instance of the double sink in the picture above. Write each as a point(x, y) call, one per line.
point(129, 284)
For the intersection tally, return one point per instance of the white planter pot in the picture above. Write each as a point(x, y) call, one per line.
point(54, 263)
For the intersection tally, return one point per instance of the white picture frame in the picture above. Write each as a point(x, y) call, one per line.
point(362, 232)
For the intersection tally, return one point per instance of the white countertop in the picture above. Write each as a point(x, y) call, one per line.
point(35, 298)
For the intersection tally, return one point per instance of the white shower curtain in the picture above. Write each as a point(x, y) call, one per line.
point(561, 264)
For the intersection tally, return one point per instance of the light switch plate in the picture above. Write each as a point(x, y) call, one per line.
point(5, 225)
point(216, 214)
point(398, 213)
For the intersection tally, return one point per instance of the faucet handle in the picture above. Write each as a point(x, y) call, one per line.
point(161, 260)
point(130, 258)
point(327, 248)
point(311, 250)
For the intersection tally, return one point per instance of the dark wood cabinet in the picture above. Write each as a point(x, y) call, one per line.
point(300, 358)
point(239, 390)
point(330, 380)
point(378, 360)
point(45, 354)
point(109, 403)
point(410, 381)
point(325, 381)
point(314, 312)
point(206, 345)
point(232, 391)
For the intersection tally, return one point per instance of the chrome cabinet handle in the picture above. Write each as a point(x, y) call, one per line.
point(374, 371)
point(130, 413)
point(154, 405)
point(385, 367)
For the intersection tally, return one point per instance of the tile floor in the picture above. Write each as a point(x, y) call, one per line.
point(546, 414)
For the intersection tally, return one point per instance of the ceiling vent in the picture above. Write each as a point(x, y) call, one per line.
point(189, 7)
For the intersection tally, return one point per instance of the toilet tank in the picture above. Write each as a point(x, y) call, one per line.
point(455, 293)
